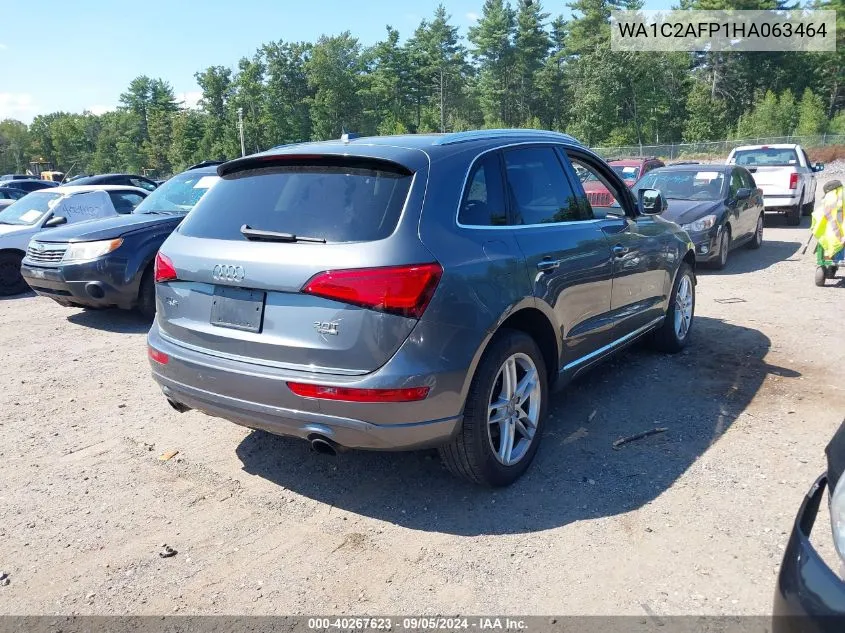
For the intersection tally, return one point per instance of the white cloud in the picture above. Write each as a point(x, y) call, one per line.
point(472, 16)
point(3, 47)
point(99, 109)
point(190, 99)
point(16, 105)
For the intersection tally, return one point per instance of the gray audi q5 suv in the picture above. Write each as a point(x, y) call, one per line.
point(413, 291)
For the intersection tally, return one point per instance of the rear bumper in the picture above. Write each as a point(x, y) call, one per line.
point(809, 596)
point(84, 284)
point(258, 397)
point(779, 202)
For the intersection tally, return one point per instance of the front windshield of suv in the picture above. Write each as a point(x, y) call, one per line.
point(179, 194)
point(692, 184)
point(626, 172)
point(29, 209)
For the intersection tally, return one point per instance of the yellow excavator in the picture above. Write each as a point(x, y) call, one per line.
point(44, 170)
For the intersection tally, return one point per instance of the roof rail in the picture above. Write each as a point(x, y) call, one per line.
point(205, 163)
point(480, 135)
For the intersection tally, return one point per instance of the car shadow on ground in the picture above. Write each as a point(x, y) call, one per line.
point(744, 260)
point(577, 474)
point(112, 320)
point(778, 220)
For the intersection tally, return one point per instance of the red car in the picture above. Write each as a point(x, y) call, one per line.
point(629, 169)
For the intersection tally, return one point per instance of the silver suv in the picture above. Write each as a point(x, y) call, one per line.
point(413, 291)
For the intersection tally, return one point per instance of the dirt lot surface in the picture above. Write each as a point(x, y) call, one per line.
point(690, 521)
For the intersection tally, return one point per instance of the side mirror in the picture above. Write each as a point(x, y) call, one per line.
point(743, 194)
point(651, 202)
point(56, 220)
point(818, 167)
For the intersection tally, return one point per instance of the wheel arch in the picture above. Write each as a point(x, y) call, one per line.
point(15, 251)
point(528, 318)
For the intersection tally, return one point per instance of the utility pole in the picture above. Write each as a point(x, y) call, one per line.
point(241, 128)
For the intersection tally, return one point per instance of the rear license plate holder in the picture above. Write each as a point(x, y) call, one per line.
point(237, 308)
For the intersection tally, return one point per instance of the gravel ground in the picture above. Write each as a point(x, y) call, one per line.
point(690, 521)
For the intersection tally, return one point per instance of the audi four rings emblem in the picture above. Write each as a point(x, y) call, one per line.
point(224, 272)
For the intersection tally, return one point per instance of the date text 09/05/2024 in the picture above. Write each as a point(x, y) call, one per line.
point(417, 624)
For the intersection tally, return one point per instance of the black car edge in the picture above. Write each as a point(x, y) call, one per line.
point(122, 275)
point(810, 597)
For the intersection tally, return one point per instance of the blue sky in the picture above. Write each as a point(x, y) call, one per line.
point(83, 54)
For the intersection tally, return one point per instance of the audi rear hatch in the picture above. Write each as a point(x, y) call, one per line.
point(299, 262)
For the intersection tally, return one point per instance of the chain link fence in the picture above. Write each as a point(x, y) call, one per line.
point(713, 149)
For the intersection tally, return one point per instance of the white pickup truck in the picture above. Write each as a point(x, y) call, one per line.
point(785, 175)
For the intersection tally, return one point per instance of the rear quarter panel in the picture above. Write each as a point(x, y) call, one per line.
point(484, 279)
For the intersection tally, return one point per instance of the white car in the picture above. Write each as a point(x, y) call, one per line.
point(46, 208)
point(784, 173)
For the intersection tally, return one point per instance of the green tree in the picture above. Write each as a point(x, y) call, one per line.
point(705, 115)
point(219, 139)
point(531, 46)
point(550, 81)
point(287, 116)
point(787, 112)
point(188, 127)
point(387, 106)
point(493, 51)
point(250, 95)
point(334, 74)
point(14, 143)
point(811, 115)
point(444, 65)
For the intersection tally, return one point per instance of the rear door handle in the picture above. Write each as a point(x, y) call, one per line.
point(548, 264)
point(620, 251)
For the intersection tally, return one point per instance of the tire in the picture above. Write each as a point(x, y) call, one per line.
point(820, 276)
point(670, 337)
point(476, 452)
point(793, 216)
point(147, 295)
point(11, 280)
point(757, 239)
point(809, 208)
point(724, 249)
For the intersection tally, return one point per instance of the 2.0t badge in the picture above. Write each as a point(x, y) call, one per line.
point(226, 272)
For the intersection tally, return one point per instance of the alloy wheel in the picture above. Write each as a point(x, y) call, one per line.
point(514, 409)
point(683, 308)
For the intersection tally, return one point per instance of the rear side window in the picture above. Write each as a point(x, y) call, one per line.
point(538, 188)
point(335, 202)
point(484, 199)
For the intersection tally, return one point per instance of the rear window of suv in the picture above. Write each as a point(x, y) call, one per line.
point(355, 202)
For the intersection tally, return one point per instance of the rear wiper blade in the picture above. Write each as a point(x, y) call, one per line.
point(259, 235)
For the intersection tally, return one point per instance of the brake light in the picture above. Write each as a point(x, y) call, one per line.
point(793, 181)
point(159, 357)
point(347, 394)
point(164, 270)
point(404, 290)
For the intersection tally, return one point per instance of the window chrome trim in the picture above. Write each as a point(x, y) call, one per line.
point(480, 227)
point(612, 345)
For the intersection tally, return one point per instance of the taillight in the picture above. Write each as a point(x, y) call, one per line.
point(404, 290)
point(347, 394)
point(160, 357)
point(164, 268)
point(793, 181)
